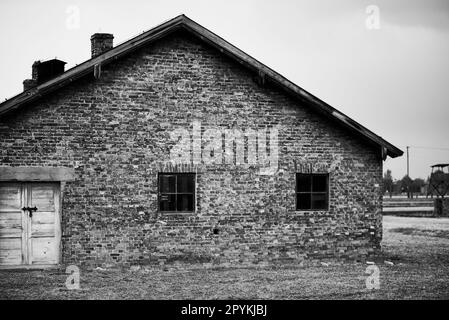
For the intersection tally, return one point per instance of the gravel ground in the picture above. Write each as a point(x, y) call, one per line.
point(417, 247)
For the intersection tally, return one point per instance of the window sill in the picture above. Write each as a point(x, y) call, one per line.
point(176, 213)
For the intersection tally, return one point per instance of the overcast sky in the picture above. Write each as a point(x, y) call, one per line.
point(390, 74)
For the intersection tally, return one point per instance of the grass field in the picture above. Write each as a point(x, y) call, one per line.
point(417, 247)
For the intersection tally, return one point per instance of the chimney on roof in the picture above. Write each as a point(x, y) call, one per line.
point(28, 84)
point(43, 71)
point(101, 42)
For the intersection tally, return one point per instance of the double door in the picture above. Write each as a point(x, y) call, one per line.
point(30, 228)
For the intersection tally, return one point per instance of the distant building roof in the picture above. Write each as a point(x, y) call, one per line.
point(441, 165)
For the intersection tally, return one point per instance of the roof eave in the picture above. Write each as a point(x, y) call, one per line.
point(88, 66)
point(217, 42)
point(243, 58)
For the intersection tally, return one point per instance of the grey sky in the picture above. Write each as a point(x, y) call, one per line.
point(393, 80)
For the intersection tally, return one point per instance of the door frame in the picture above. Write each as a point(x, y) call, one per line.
point(28, 174)
point(26, 187)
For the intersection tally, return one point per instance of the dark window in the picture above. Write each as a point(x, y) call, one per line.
point(176, 192)
point(312, 191)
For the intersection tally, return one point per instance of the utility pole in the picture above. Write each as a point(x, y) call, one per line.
point(408, 174)
point(408, 163)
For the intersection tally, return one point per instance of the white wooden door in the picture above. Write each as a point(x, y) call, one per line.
point(29, 238)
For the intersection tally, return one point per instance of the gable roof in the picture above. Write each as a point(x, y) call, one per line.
point(181, 21)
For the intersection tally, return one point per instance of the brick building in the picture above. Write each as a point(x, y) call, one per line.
point(176, 146)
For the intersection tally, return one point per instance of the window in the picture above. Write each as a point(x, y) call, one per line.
point(176, 192)
point(312, 191)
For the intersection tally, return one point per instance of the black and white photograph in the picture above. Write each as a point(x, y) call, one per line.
point(224, 155)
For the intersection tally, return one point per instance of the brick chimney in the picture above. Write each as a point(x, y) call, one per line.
point(101, 42)
point(42, 71)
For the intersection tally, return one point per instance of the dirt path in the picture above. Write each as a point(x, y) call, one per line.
point(418, 248)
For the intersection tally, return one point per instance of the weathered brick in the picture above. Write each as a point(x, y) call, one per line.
point(115, 132)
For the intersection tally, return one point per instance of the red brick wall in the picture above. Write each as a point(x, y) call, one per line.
point(115, 132)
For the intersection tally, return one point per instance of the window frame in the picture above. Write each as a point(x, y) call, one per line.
point(311, 192)
point(160, 193)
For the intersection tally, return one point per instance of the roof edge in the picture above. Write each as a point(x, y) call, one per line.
point(222, 45)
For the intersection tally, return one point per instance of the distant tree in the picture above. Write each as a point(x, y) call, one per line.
point(406, 183)
point(417, 184)
point(397, 188)
point(387, 182)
